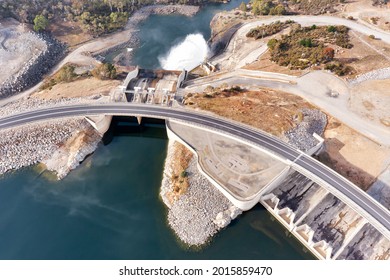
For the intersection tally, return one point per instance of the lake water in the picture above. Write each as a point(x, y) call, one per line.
point(109, 207)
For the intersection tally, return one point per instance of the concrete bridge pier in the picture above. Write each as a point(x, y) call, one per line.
point(100, 122)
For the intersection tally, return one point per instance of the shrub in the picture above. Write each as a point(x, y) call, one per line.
point(242, 7)
point(332, 28)
point(104, 71)
point(328, 53)
point(272, 43)
point(306, 42)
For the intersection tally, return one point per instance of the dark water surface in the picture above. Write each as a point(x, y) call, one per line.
point(109, 207)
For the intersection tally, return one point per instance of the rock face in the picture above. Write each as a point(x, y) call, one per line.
point(224, 218)
point(198, 214)
point(73, 152)
point(380, 190)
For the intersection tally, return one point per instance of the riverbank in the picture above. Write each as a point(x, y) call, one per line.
point(60, 144)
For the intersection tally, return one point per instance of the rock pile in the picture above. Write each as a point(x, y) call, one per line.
point(301, 136)
point(380, 74)
point(33, 71)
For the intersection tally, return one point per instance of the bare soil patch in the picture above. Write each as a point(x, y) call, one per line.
point(353, 155)
point(69, 32)
point(264, 63)
point(371, 99)
point(272, 111)
point(78, 88)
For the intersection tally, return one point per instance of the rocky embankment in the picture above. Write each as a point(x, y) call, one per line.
point(33, 70)
point(61, 144)
point(34, 143)
point(202, 211)
point(380, 74)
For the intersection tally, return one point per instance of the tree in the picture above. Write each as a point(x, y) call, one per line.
point(40, 23)
point(104, 71)
point(243, 7)
point(328, 53)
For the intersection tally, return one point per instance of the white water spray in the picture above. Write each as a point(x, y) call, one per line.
point(187, 54)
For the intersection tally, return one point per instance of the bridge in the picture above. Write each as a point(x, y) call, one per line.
point(343, 189)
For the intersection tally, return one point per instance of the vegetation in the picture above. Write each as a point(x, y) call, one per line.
point(267, 7)
point(307, 46)
point(40, 23)
point(279, 7)
point(328, 53)
point(339, 68)
point(65, 74)
point(95, 16)
point(104, 71)
point(242, 7)
point(314, 7)
point(306, 42)
point(268, 30)
point(100, 24)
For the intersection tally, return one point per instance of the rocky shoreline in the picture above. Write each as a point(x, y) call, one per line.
point(60, 144)
point(35, 143)
point(202, 211)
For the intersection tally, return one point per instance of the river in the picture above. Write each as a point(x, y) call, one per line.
point(109, 207)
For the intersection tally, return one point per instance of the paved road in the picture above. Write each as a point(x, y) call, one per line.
point(342, 188)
